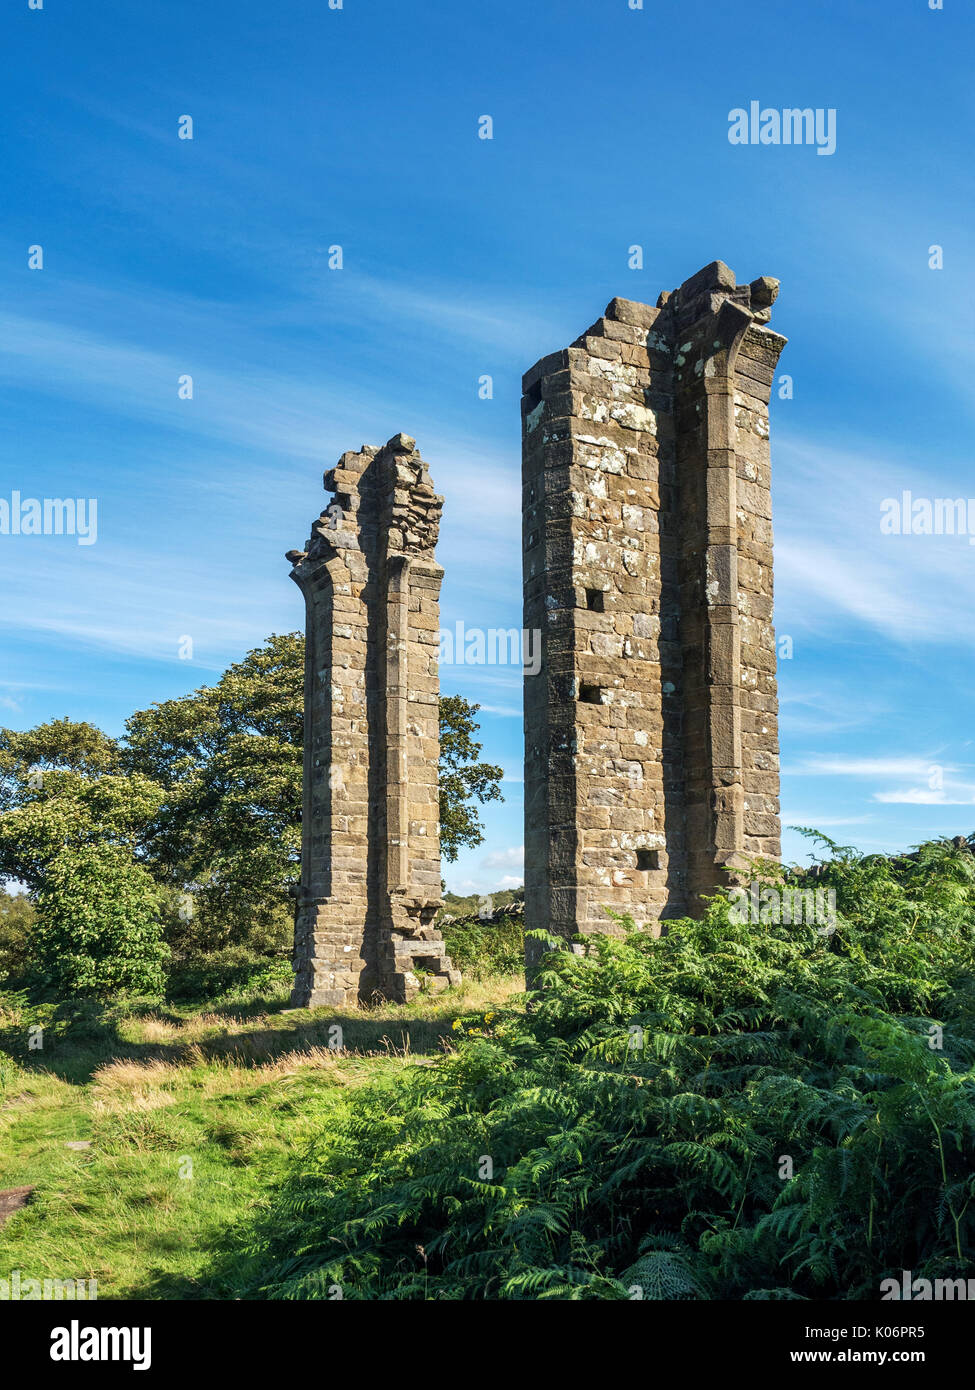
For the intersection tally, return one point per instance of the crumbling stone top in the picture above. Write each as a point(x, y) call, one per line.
point(699, 297)
point(710, 287)
point(703, 293)
point(384, 492)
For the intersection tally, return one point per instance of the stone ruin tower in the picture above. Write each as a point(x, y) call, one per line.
point(370, 862)
point(651, 753)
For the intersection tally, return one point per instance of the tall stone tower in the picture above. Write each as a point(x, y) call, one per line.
point(651, 754)
point(370, 863)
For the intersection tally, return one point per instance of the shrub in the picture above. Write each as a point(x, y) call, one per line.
point(234, 970)
point(98, 929)
point(17, 916)
point(483, 948)
point(729, 1111)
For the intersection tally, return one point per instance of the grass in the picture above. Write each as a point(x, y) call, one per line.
point(192, 1115)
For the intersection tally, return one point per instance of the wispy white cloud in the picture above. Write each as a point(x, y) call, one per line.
point(828, 766)
point(511, 858)
point(247, 403)
point(951, 795)
point(142, 603)
point(834, 710)
point(936, 782)
point(836, 570)
point(455, 311)
point(820, 822)
point(241, 449)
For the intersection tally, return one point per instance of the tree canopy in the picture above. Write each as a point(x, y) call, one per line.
point(203, 795)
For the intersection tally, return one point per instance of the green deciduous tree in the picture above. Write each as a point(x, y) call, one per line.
point(98, 929)
point(17, 918)
point(73, 831)
point(204, 794)
point(463, 780)
point(63, 809)
point(59, 745)
point(229, 760)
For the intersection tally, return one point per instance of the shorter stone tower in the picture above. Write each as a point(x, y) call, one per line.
point(651, 753)
point(370, 863)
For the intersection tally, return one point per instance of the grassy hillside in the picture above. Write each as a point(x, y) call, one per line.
point(191, 1116)
point(741, 1109)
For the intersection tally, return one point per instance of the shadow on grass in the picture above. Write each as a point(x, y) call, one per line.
point(79, 1037)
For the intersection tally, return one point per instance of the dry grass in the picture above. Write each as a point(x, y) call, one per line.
point(151, 1028)
point(135, 1086)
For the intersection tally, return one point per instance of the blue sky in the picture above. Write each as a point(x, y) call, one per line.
point(462, 257)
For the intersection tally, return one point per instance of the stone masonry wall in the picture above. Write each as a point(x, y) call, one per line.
point(370, 878)
point(651, 758)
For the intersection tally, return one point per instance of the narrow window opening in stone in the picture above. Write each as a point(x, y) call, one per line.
point(595, 601)
point(648, 859)
point(533, 395)
point(591, 694)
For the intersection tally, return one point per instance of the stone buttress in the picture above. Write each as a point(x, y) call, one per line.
point(651, 749)
point(370, 872)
